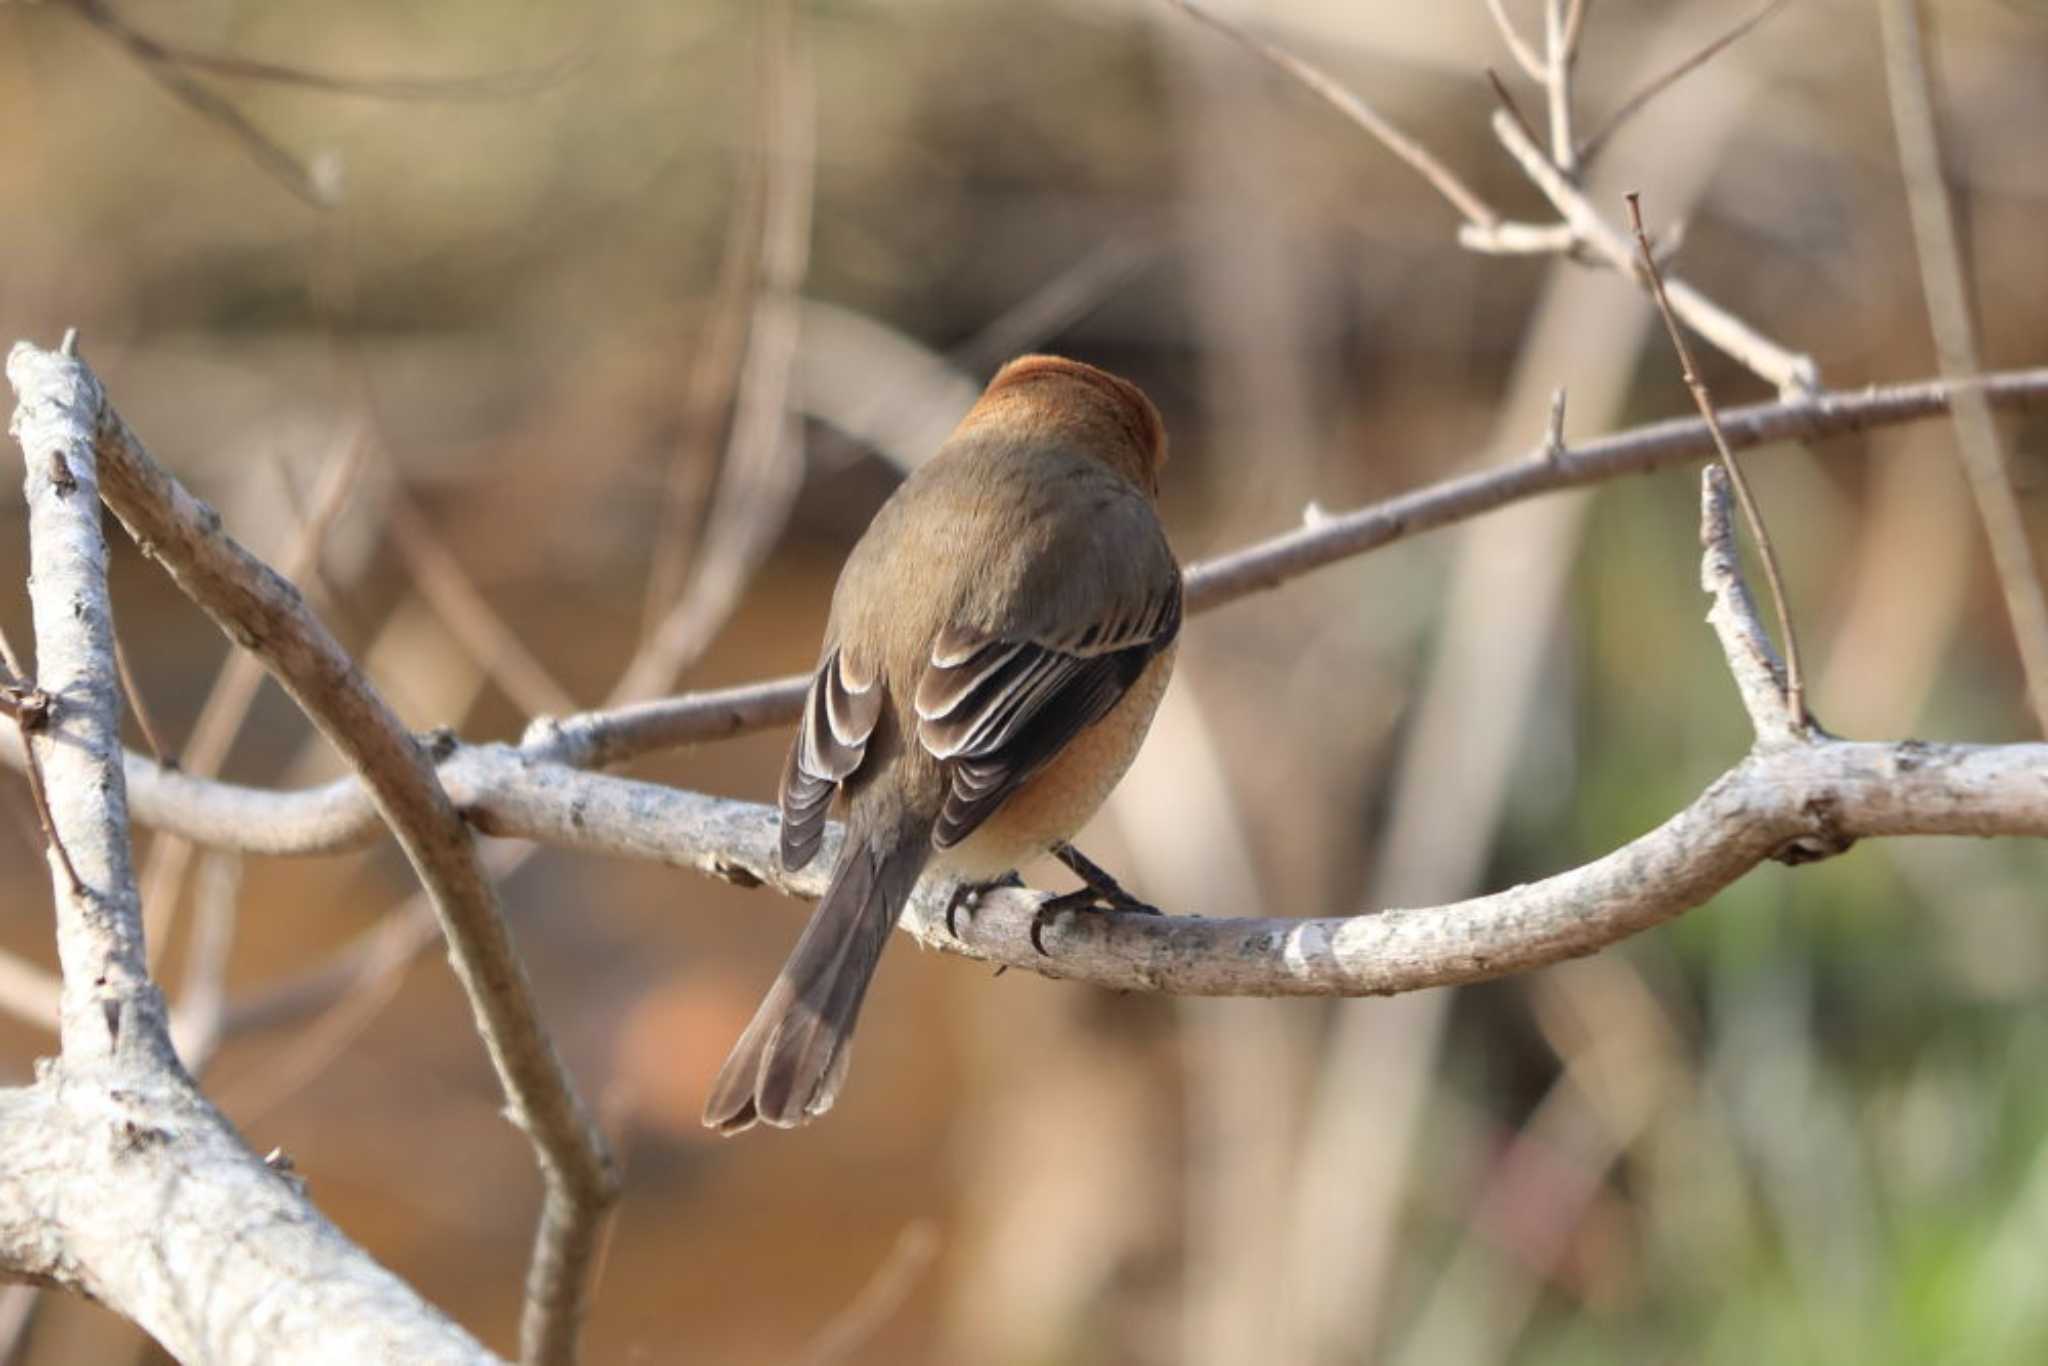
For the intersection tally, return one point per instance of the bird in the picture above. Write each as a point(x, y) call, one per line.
point(998, 642)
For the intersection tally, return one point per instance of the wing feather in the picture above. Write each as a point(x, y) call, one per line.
point(840, 712)
point(997, 710)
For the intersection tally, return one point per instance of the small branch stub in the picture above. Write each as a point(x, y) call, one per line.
point(1759, 674)
point(1795, 688)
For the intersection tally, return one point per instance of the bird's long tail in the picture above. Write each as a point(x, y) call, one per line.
point(788, 1066)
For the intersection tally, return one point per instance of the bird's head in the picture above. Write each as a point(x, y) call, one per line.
point(1106, 416)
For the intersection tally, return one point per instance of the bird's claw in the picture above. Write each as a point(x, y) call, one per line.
point(1085, 899)
point(966, 895)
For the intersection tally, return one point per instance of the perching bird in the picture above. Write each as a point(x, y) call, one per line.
point(999, 640)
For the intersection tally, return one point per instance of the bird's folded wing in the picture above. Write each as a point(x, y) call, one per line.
point(996, 709)
point(840, 712)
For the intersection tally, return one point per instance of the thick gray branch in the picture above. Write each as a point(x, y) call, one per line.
point(266, 615)
point(117, 1178)
point(125, 1185)
point(99, 919)
point(1784, 802)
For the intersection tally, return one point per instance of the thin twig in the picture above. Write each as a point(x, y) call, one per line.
point(352, 1008)
point(1518, 239)
point(853, 1327)
point(1059, 302)
point(763, 466)
point(17, 672)
point(316, 182)
point(1574, 24)
point(1507, 102)
point(138, 708)
point(1461, 196)
point(202, 997)
point(234, 691)
point(1788, 372)
point(19, 1305)
point(1561, 52)
point(1795, 685)
point(714, 370)
point(397, 937)
point(492, 86)
point(31, 718)
point(1553, 430)
point(1525, 56)
point(1955, 344)
point(1635, 103)
point(468, 615)
point(346, 992)
point(615, 1111)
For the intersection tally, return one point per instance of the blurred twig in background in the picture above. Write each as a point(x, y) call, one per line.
point(843, 1338)
point(1555, 173)
point(763, 465)
point(317, 181)
point(234, 691)
point(1948, 309)
point(265, 614)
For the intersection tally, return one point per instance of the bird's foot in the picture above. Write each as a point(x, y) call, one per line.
point(967, 895)
point(1102, 893)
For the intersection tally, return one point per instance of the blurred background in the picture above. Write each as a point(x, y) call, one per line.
point(563, 350)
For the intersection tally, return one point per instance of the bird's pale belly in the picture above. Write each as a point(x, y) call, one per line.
point(1061, 797)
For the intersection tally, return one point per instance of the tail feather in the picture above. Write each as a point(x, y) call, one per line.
point(788, 1066)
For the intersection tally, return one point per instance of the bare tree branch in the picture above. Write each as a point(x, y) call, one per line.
point(1561, 51)
point(1480, 215)
point(1790, 373)
point(1273, 562)
point(117, 1178)
point(1795, 686)
point(1759, 677)
point(1777, 803)
point(1525, 56)
point(266, 615)
point(1555, 174)
point(1636, 103)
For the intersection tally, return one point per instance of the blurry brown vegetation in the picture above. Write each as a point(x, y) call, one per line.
point(1801, 1124)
